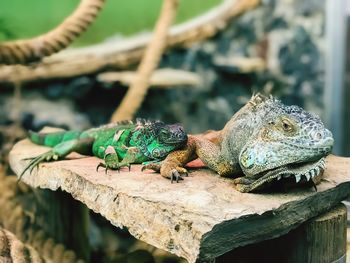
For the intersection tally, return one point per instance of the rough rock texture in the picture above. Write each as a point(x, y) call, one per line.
point(200, 218)
point(13, 250)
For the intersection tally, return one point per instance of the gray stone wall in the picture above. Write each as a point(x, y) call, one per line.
point(287, 34)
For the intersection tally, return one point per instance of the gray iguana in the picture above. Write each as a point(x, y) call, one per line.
point(265, 140)
point(118, 144)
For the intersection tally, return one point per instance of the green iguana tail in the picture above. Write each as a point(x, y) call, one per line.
point(52, 139)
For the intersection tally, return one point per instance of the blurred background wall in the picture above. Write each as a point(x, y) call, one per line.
point(302, 45)
point(335, 92)
point(346, 83)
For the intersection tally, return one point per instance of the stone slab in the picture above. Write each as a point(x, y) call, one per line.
point(199, 218)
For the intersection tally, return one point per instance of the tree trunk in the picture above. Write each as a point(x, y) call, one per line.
point(319, 240)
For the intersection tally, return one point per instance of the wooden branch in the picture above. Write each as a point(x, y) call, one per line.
point(161, 78)
point(138, 89)
point(241, 64)
point(200, 218)
point(120, 54)
point(29, 50)
point(319, 240)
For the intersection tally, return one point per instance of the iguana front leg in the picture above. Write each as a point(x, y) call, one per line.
point(111, 159)
point(172, 166)
point(207, 148)
point(59, 151)
point(211, 155)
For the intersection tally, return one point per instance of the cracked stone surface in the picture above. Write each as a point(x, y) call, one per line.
point(199, 218)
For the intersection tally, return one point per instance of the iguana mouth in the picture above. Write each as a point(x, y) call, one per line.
point(181, 140)
point(179, 143)
point(326, 148)
point(302, 172)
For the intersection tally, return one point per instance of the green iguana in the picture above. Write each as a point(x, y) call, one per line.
point(265, 140)
point(118, 144)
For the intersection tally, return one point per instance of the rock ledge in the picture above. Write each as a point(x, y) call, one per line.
point(199, 218)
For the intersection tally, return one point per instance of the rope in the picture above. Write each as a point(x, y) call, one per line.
point(30, 50)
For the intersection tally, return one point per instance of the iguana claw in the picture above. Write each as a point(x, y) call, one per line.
point(175, 175)
point(107, 168)
point(314, 185)
point(103, 166)
point(151, 166)
point(182, 171)
point(35, 161)
point(112, 163)
point(100, 165)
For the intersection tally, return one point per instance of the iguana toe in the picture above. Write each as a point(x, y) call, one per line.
point(103, 166)
point(243, 188)
point(35, 161)
point(111, 162)
point(243, 180)
point(182, 171)
point(314, 185)
point(175, 175)
point(243, 184)
point(151, 166)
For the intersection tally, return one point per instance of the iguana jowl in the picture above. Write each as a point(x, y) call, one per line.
point(265, 141)
point(118, 144)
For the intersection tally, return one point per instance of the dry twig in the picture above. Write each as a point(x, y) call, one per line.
point(161, 78)
point(138, 89)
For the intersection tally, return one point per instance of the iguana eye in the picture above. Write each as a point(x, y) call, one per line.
point(287, 126)
point(164, 132)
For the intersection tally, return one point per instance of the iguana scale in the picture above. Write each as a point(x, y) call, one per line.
point(265, 140)
point(118, 144)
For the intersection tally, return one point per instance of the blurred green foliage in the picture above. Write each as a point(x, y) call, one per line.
point(23, 18)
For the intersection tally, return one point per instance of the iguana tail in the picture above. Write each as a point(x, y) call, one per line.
point(52, 139)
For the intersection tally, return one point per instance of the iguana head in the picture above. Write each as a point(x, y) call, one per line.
point(172, 134)
point(159, 139)
point(288, 141)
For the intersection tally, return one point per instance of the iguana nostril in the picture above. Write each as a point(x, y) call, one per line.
point(318, 136)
